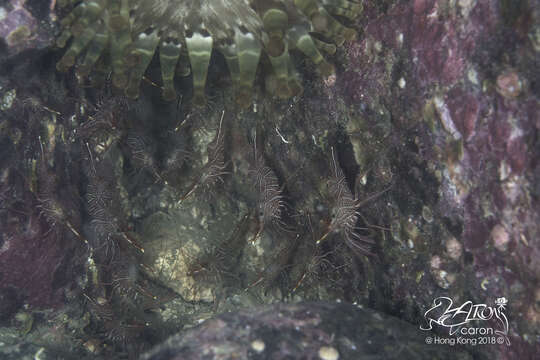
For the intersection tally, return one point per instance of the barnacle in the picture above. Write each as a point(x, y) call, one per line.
point(122, 36)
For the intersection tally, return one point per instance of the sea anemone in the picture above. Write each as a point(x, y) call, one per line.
point(122, 36)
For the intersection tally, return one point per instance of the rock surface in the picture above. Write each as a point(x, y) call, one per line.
point(432, 117)
point(302, 331)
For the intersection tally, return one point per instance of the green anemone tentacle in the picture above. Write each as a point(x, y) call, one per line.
point(123, 36)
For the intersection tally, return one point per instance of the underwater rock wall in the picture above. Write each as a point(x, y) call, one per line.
point(459, 82)
point(145, 217)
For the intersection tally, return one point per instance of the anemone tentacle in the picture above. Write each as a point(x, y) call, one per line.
point(122, 36)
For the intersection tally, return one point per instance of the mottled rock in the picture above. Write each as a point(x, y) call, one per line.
point(26, 25)
point(322, 331)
